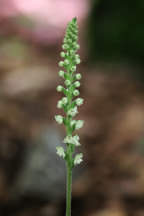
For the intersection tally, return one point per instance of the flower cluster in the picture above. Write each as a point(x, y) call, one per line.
point(68, 103)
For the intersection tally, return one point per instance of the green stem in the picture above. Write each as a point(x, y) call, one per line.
point(69, 189)
point(69, 151)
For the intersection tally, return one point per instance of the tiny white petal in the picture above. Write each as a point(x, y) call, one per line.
point(78, 159)
point(75, 140)
point(79, 124)
point(68, 139)
point(59, 119)
point(73, 122)
point(60, 151)
point(79, 101)
point(72, 140)
point(72, 111)
point(59, 105)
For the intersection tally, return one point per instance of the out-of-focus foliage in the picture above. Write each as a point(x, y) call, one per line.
point(116, 31)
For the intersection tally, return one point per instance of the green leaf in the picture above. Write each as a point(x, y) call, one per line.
point(72, 163)
point(73, 128)
point(73, 87)
point(73, 104)
point(65, 91)
point(64, 107)
point(74, 19)
point(65, 121)
point(66, 156)
point(66, 76)
point(73, 78)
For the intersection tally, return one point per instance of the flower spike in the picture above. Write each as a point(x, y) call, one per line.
point(72, 81)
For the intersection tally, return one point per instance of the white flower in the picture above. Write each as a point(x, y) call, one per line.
point(59, 105)
point(73, 122)
point(60, 151)
point(64, 100)
point(75, 140)
point(79, 101)
point(72, 140)
point(68, 139)
point(59, 119)
point(72, 111)
point(78, 159)
point(79, 124)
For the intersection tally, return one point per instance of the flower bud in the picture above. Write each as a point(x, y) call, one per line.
point(79, 101)
point(64, 100)
point(65, 40)
point(65, 46)
point(59, 105)
point(74, 43)
point(76, 31)
point(67, 82)
point(69, 40)
point(61, 63)
point(62, 54)
point(73, 68)
point(61, 73)
point(77, 61)
point(77, 84)
point(77, 46)
point(75, 92)
point(78, 76)
point(72, 52)
point(77, 56)
point(59, 88)
point(66, 62)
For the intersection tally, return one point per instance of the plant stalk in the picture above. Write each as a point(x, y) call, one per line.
point(69, 185)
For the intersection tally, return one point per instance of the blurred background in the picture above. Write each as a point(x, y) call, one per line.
point(110, 181)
